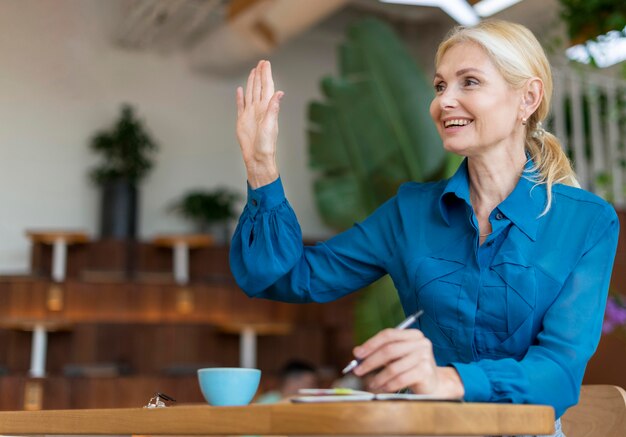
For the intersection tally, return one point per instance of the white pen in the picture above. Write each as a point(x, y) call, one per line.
point(405, 324)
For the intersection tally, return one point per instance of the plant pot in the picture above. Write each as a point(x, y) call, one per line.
point(118, 214)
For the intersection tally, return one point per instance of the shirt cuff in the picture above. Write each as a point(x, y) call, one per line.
point(475, 382)
point(266, 197)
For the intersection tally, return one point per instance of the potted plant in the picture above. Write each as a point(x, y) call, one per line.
point(127, 151)
point(380, 96)
point(588, 19)
point(209, 210)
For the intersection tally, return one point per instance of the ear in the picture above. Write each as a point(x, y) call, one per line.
point(532, 94)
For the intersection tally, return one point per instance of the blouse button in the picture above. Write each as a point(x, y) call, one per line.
point(254, 202)
point(499, 216)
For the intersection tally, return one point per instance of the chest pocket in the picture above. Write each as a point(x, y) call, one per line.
point(513, 336)
point(438, 288)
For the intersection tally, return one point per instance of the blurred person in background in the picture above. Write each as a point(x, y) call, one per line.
point(294, 375)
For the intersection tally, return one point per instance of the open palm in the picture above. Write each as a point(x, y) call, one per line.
point(257, 124)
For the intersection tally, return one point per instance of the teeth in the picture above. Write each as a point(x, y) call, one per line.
point(458, 122)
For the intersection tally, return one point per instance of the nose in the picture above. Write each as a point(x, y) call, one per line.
point(447, 99)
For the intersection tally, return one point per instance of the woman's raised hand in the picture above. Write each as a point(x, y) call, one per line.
point(404, 358)
point(257, 125)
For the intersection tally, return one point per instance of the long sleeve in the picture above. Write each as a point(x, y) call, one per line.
point(552, 370)
point(268, 259)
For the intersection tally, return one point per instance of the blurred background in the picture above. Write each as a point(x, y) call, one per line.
point(122, 178)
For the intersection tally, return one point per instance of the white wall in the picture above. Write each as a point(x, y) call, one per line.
point(61, 79)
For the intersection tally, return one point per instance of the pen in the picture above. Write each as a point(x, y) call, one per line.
point(405, 324)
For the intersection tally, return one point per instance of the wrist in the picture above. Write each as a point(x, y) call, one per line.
point(451, 385)
point(261, 174)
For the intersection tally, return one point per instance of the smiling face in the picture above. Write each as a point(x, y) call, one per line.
point(475, 109)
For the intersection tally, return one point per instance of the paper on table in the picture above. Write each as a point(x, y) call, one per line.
point(332, 395)
point(313, 395)
point(412, 397)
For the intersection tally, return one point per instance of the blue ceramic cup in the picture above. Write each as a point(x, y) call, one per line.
point(228, 386)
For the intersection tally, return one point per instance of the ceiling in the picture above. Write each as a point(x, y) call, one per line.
point(222, 34)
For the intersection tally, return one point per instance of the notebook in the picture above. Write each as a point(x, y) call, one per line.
point(315, 395)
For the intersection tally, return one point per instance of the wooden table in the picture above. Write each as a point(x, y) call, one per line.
point(59, 239)
point(248, 333)
point(354, 418)
point(180, 245)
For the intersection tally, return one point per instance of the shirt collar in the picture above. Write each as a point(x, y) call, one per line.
point(458, 185)
point(523, 206)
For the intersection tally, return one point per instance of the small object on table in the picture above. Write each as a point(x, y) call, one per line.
point(156, 402)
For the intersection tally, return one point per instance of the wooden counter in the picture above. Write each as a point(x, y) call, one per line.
point(355, 418)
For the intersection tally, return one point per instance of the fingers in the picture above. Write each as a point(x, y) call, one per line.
point(273, 108)
point(383, 337)
point(387, 353)
point(421, 378)
point(256, 89)
point(274, 103)
point(260, 84)
point(268, 83)
point(249, 85)
point(412, 369)
point(405, 358)
point(240, 101)
point(393, 374)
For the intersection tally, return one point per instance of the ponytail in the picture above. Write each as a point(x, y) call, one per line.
point(550, 163)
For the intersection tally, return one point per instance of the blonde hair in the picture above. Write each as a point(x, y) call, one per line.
point(518, 56)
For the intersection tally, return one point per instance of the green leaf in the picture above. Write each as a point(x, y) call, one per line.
point(372, 133)
point(126, 148)
point(339, 201)
point(377, 309)
point(205, 207)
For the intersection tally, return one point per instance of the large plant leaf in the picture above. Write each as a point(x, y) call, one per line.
point(374, 128)
point(372, 133)
point(402, 94)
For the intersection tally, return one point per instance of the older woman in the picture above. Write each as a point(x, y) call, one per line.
point(509, 259)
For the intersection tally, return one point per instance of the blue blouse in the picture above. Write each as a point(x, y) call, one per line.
point(518, 316)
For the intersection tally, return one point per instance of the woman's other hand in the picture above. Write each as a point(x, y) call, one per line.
point(404, 358)
point(257, 125)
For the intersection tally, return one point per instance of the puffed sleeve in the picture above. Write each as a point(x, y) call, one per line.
point(552, 370)
point(268, 259)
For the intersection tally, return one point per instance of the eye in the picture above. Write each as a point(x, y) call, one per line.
point(470, 81)
point(439, 87)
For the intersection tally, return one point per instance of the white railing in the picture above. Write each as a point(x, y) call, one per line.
point(589, 117)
